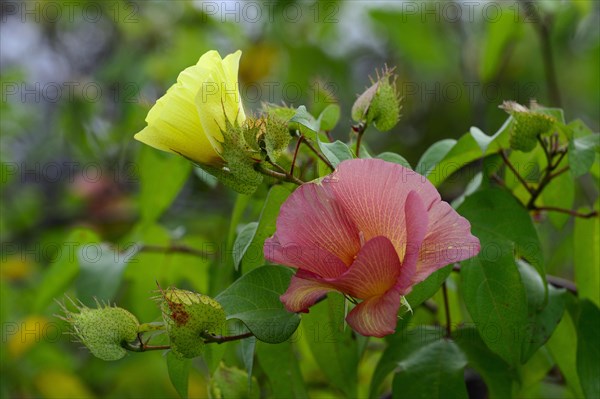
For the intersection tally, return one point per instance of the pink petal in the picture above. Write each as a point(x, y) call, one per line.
point(416, 219)
point(448, 240)
point(302, 294)
point(373, 193)
point(311, 219)
point(376, 316)
point(374, 271)
point(311, 258)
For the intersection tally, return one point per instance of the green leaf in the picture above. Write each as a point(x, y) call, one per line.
point(247, 348)
point(161, 178)
point(254, 299)
point(330, 117)
point(588, 349)
point(304, 118)
point(282, 368)
point(501, 223)
point(100, 272)
point(394, 158)
point(401, 346)
point(492, 143)
point(63, 270)
point(427, 288)
point(435, 370)
point(542, 316)
point(491, 282)
point(496, 373)
point(586, 257)
point(179, 372)
point(466, 150)
point(242, 243)
point(331, 343)
point(560, 193)
point(433, 155)
point(563, 348)
point(335, 152)
point(253, 257)
point(582, 153)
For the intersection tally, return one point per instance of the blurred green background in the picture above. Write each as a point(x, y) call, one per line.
point(78, 78)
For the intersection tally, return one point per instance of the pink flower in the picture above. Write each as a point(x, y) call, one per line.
point(371, 230)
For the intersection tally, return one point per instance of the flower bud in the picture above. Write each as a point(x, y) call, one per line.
point(103, 330)
point(528, 126)
point(379, 104)
point(188, 316)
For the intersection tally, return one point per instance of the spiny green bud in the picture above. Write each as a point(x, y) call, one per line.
point(232, 383)
point(188, 316)
point(380, 103)
point(527, 127)
point(103, 330)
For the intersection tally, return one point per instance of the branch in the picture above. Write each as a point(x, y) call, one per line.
point(360, 130)
point(568, 211)
point(521, 179)
point(219, 339)
point(318, 153)
point(173, 248)
point(447, 310)
point(278, 175)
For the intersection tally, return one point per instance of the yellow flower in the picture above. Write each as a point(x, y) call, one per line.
point(189, 118)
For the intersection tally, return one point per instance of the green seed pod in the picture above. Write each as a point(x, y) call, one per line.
point(527, 127)
point(188, 316)
point(232, 383)
point(379, 104)
point(103, 330)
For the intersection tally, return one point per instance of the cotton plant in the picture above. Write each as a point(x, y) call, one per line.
point(367, 231)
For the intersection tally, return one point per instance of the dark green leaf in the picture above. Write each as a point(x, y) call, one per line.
point(393, 157)
point(179, 372)
point(400, 347)
point(496, 373)
point(435, 370)
point(542, 316)
point(254, 299)
point(501, 223)
point(242, 242)
point(248, 347)
point(588, 349)
point(466, 150)
point(282, 368)
point(331, 343)
point(427, 288)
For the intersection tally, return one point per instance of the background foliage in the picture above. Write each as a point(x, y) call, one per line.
point(77, 81)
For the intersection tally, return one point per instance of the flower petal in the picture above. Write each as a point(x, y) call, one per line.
point(302, 294)
point(448, 240)
point(311, 220)
point(310, 258)
point(376, 316)
point(374, 271)
point(416, 219)
point(373, 193)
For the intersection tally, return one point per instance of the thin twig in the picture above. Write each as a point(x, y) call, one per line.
point(568, 211)
point(318, 153)
point(173, 248)
point(278, 175)
point(218, 339)
point(447, 310)
point(522, 180)
point(360, 130)
point(300, 139)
